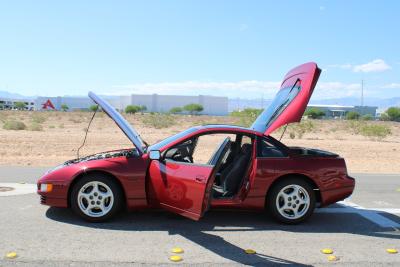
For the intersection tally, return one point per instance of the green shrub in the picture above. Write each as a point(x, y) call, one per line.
point(384, 117)
point(393, 113)
point(131, 109)
point(64, 107)
point(14, 125)
point(352, 115)
point(158, 121)
point(52, 126)
point(367, 117)
point(61, 126)
point(355, 126)
point(314, 113)
point(93, 108)
point(176, 110)
point(375, 131)
point(37, 118)
point(35, 127)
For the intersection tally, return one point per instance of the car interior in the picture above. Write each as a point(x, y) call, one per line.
point(231, 159)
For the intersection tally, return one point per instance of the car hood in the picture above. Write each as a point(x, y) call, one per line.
point(128, 130)
point(291, 100)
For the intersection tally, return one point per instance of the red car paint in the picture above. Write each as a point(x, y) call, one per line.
point(185, 188)
point(179, 187)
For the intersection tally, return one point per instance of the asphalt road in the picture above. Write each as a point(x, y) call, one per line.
point(359, 231)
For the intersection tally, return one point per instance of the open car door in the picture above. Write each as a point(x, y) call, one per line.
point(185, 188)
point(291, 100)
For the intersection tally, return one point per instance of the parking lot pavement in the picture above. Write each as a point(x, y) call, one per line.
point(358, 230)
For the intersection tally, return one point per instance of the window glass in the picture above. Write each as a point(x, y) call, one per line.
point(246, 140)
point(207, 145)
point(267, 150)
point(170, 139)
point(282, 99)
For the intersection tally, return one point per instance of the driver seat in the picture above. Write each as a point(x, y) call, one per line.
point(234, 173)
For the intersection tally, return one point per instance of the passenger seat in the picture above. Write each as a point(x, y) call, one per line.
point(232, 176)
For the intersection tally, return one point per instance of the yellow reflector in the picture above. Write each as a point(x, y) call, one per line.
point(327, 251)
point(177, 250)
point(391, 250)
point(332, 258)
point(250, 251)
point(11, 255)
point(175, 258)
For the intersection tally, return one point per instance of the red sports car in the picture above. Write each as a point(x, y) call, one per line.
point(249, 169)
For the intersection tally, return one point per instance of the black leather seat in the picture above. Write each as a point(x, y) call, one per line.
point(231, 177)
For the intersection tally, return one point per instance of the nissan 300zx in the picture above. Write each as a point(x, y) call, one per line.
point(249, 169)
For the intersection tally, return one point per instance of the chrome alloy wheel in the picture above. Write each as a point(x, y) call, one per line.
point(293, 201)
point(95, 199)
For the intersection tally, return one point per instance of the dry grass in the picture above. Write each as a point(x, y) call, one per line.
point(53, 145)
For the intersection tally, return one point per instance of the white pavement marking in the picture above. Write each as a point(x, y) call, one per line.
point(371, 214)
point(18, 189)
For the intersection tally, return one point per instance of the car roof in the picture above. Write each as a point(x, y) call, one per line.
point(225, 127)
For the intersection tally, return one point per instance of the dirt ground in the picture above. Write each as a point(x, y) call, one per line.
point(63, 133)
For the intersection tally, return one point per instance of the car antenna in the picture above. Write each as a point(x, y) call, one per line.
point(87, 130)
point(284, 130)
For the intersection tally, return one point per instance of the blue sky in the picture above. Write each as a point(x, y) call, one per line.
point(230, 48)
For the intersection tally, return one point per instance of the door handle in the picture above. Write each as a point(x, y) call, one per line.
point(200, 179)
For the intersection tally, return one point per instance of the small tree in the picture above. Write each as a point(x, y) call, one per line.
point(20, 105)
point(314, 113)
point(176, 110)
point(352, 115)
point(131, 109)
point(94, 108)
point(393, 113)
point(193, 108)
point(64, 107)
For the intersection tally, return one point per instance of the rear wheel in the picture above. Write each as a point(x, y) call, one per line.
point(291, 201)
point(96, 197)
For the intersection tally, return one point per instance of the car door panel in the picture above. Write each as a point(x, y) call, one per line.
point(180, 187)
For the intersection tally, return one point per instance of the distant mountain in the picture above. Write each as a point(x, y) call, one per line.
point(6, 94)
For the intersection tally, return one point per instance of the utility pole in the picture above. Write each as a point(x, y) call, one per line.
point(362, 92)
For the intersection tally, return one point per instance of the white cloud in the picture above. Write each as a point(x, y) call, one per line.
point(391, 86)
point(377, 65)
point(241, 89)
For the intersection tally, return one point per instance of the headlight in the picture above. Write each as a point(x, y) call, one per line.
point(46, 188)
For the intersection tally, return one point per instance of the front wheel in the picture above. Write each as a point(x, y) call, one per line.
point(291, 201)
point(96, 198)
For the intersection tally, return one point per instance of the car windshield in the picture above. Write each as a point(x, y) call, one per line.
point(282, 99)
point(159, 145)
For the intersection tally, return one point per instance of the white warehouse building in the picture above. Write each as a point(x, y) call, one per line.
point(213, 105)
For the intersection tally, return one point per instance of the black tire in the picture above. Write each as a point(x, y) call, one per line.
point(273, 195)
point(108, 181)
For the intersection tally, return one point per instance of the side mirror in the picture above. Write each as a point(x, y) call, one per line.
point(154, 155)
